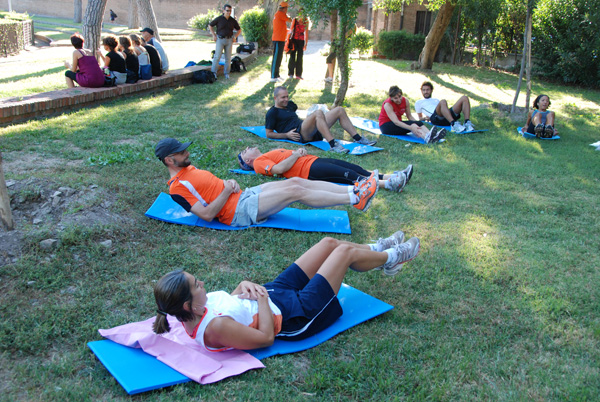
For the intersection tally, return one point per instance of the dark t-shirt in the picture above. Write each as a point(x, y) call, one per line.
point(117, 62)
point(225, 26)
point(283, 120)
point(132, 62)
point(155, 60)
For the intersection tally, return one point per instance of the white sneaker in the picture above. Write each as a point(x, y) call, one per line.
point(469, 126)
point(391, 241)
point(457, 127)
point(328, 79)
point(274, 80)
point(397, 182)
point(404, 253)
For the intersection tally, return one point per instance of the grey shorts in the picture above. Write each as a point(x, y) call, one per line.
point(246, 210)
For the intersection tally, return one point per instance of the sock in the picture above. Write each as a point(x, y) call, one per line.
point(392, 255)
point(374, 247)
point(356, 137)
point(466, 120)
point(353, 197)
point(332, 143)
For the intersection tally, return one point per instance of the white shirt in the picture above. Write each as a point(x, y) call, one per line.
point(426, 106)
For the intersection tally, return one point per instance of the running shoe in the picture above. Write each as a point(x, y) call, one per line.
point(339, 148)
point(367, 189)
point(457, 127)
point(469, 126)
point(407, 172)
point(365, 141)
point(404, 253)
point(436, 134)
point(549, 131)
point(397, 182)
point(539, 129)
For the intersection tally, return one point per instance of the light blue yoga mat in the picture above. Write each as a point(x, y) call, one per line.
point(242, 171)
point(529, 135)
point(373, 127)
point(355, 149)
point(304, 220)
point(138, 371)
point(449, 129)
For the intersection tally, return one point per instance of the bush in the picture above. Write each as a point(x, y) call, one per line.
point(201, 21)
point(362, 41)
point(255, 25)
point(566, 41)
point(400, 44)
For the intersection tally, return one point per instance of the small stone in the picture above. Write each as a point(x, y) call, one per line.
point(56, 201)
point(30, 283)
point(37, 221)
point(106, 243)
point(94, 186)
point(49, 244)
point(10, 183)
point(56, 194)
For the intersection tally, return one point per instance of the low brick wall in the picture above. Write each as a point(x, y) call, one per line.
point(19, 109)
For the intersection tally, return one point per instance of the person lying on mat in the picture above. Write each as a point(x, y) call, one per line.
point(390, 119)
point(299, 163)
point(282, 122)
point(300, 302)
point(207, 196)
point(438, 112)
point(540, 120)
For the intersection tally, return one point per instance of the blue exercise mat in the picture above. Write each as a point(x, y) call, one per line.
point(138, 371)
point(449, 129)
point(304, 220)
point(373, 127)
point(355, 149)
point(529, 135)
point(134, 369)
point(242, 171)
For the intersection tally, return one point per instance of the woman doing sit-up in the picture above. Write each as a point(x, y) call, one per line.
point(299, 303)
point(299, 163)
point(540, 120)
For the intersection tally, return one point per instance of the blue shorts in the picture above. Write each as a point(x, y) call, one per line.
point(441, 120)
point(307, 306)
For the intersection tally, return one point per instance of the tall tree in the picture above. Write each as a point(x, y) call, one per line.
point(147, 16)
point(133, 16)
point(78, 10)
point(436, 33)
point(347, 10)
point(5, 213)
point(526, 50)
point(92, 23)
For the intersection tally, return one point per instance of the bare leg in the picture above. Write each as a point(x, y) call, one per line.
point(70, 83)
point(315, 120)
point(463, 105)
point(331, 259)
point(339, 114)
point(549, 118)
point(442, 109)
point(537, 119)
point(277, 195)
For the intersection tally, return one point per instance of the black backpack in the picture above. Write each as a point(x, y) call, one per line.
point(245, 48)
point(203, 77)
point(237, 65)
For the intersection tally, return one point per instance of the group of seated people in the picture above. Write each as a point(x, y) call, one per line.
point(127, 59)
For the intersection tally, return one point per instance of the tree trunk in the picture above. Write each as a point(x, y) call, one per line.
point(374, 25)
point(271, 7)
point(133, 18)
point(342, 57)
point(92, 23)
point(523, 60)
point(5, 213)
point(456, 34)
point(78, 10)
point(435, 35)
point(333, 21)
point(386, 21)
point(479, 48)
point(147, 17)
point(529, 29)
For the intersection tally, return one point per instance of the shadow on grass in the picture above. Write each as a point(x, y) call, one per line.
point(30, 75)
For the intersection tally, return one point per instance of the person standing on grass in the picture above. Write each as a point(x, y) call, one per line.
point(208, 197)
point(299, 163)
point(148, 35)
point(114, 60)
point(282, 122)
point(225, 37)
point(540, 120)
point(279, 34)
point(438, 112)
point(84, 69)
point(390, 119)
point(299, 40)
point(301, 302)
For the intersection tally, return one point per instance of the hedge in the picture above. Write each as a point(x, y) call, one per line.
point(400, 44)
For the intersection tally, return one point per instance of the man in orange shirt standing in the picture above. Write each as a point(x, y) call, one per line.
point(279, 35)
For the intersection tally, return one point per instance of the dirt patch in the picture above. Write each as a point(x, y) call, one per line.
point(28, 162)
point(520, 114)
point(41, 204)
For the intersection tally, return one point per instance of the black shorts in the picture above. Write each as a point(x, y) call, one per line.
point(390, 128)
point(70, 74)
point(441, 120)
point(331, 58)
point(316, 135)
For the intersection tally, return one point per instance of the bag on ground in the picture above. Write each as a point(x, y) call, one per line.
point(237, 65)
point(203, 77)
point(245, 48)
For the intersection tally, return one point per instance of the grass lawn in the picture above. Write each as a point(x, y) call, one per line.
point(502, 302)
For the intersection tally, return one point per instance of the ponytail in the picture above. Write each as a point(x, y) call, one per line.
point(171, 292)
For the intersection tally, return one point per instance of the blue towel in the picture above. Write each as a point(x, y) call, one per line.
point(529, 135)
point(449, 129)
point(304, 220)
point(355, 149)
point(138, 371)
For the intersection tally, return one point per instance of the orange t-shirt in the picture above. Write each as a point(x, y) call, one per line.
point(264, 163)
point(280, 26)
point(196, 185)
